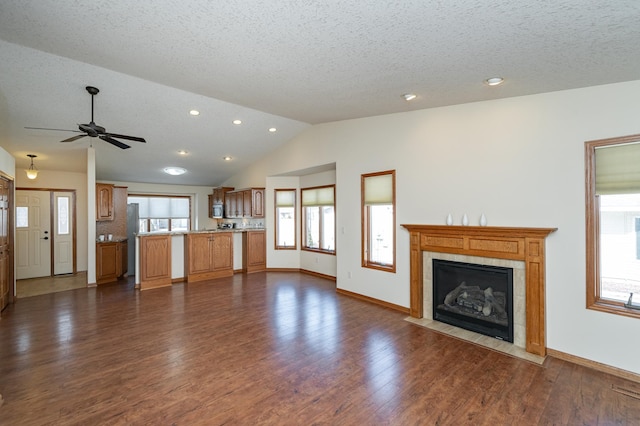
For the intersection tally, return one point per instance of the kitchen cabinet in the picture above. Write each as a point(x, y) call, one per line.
point(155, 261)
point(245, 203)
point(111, 261)
point(208, 255)
point(218, 194)
point(218, 199)
point(104, 201)
point(254, 251)
point(257, 202)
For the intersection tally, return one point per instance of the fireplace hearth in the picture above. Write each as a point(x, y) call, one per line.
point(474, 297)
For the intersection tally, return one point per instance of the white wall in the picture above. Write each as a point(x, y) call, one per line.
point(518, 160)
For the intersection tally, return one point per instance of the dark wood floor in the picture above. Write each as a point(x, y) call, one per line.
point(271, 348)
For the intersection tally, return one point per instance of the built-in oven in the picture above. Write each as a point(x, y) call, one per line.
point(218, 210)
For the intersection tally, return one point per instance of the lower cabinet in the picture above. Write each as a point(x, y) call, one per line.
point(254, 251)
point(208, 255)
point(111, 261)
point(155, 261)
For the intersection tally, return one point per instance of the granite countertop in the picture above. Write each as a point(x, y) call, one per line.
point(114, 240)
point(202, 231)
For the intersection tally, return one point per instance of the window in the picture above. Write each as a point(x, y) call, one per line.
point(63, 215)
point(22, 217)
point(162, 213)
point(613, 224)
point(318, 219)
point(285, 219)
point(378, 193)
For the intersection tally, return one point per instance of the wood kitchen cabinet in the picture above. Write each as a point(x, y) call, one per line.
point(111, 261)
point(254, 251)
point(208, 255)
point(257, 202)
point(104, 201)
point(155, 261)
point(218, 199)
point(219, 193)
point(245, 203)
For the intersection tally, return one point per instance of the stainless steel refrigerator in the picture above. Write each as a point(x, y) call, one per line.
point(133, 223)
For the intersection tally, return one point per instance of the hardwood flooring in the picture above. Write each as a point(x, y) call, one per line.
point(272, 348)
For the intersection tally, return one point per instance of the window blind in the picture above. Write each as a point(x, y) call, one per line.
point(161, 207)
point(318, 196)
point(618, 169)
point(378, 189)
point(285, 198)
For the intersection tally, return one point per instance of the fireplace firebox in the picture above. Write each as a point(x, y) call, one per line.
point(474, 297)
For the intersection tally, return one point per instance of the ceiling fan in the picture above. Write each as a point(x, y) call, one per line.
point(93, 130)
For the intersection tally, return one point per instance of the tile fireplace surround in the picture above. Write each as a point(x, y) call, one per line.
point(525, 246)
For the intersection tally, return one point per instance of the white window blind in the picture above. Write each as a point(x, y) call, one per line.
point(285, 198)
point(618, 169)
point(161, 207)
point(378, 189)
point(318, 196)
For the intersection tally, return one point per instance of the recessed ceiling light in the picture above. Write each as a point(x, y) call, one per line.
point(237, 122)
point(227, 158)
point(494, 81)
point(409, 96)
point(273, 129)
point(182, 152)
point(194, 112)
point(174, 171)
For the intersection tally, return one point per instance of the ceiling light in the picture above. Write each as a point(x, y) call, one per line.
point(174, 171)
point(494, 81)
point(409, 96)
point(32, 172)
point(227, 158)
point(194, 112)
point(183, 152)
point(237, 122)
point(273, 129)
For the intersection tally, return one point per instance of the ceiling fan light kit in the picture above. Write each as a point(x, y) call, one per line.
point(32, 172)
point(93, 130)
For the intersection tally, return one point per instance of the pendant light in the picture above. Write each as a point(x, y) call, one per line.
point(32, 172)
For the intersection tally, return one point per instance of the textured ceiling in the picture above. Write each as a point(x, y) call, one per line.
point(283, 64)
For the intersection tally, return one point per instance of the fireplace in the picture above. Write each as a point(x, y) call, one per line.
point(526, 245)
point(474, 297)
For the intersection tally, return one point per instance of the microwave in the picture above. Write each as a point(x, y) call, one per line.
point(217, 210)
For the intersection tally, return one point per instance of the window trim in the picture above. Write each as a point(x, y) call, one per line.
point(365, 225)
point(303, 221)
point(275, 215)
point(592, 225)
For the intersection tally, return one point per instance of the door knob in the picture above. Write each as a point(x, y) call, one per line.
point(45, 238)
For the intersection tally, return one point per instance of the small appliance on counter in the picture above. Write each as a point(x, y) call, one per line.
point(227, 225)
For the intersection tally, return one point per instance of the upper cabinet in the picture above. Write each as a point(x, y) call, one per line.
point(243, 203)
point(104, 201)
point(218, 194)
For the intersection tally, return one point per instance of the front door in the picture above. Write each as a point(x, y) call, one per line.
point(33, 236)
point(63, 228)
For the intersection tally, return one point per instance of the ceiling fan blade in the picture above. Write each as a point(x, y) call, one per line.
point(74, 138)
point(112, 141)
point(58, 130)
point(130, 138)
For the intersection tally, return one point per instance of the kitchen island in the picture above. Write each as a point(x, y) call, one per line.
point(165, 258)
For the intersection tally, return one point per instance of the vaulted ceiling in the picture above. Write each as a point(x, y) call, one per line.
point(283, 65)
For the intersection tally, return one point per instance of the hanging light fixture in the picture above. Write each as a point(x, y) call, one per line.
point(32, 172)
